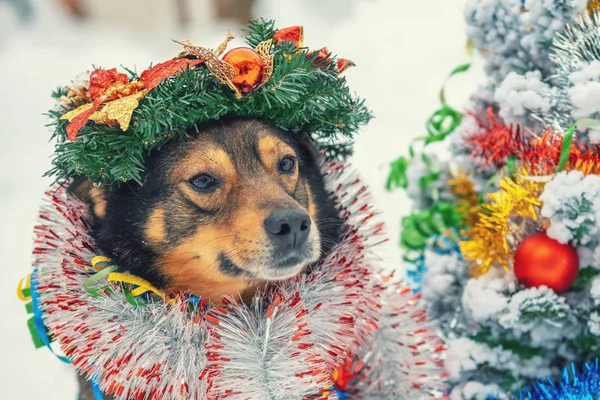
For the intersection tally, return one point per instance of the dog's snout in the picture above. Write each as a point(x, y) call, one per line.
point(288, 228)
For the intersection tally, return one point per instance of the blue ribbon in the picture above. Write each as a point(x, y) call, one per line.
point(38, 316)
point(96, 389)
point(340, 395)
point(41, 329)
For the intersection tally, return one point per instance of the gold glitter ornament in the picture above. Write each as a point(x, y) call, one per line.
point(119, 110)
point(264, 51)
point(224, 72)
point(203, 76)
point(120, 90)
point(73, 113)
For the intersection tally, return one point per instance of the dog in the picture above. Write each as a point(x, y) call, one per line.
point(237, 204)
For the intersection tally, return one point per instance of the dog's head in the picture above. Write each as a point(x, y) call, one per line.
point(240, 204)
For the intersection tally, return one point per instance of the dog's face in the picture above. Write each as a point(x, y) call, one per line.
point(241, 204)
point(237, 209)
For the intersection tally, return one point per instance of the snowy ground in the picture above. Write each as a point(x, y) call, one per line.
point(404, 50)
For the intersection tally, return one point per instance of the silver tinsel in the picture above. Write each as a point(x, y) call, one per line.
point(580, 42)
point(285, 344)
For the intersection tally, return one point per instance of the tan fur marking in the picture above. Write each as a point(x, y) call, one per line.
point(99, 201)
point(313, 212)
point(155, 229)
point(272, 150)
point(204, 157)
point(247, 225)
point(312, 208)
point(194, 266)
point(212, 287)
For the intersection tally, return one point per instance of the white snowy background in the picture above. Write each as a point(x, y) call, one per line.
point(404, 50)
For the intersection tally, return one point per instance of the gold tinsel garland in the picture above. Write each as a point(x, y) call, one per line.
point(467, 199)
point(501, 222)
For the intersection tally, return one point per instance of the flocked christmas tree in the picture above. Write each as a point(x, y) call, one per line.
point(504, 242)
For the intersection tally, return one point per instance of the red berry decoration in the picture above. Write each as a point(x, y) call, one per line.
point(543, 261)
point(249, 67)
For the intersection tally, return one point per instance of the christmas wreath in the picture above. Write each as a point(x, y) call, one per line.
point(105, 122)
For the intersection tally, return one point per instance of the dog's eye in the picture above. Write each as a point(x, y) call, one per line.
point(204, 182)
point(286, 165)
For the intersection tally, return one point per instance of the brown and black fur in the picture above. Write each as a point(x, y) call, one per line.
point(213, 244)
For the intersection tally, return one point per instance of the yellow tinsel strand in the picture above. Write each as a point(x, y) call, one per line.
point(489, 244)
point(468, 199)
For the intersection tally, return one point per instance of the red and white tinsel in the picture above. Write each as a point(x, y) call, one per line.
point(343, 328)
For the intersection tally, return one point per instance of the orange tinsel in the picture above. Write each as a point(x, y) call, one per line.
point(543, 155)
point(506, 214)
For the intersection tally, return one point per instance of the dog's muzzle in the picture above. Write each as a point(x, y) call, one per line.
point(288, 230)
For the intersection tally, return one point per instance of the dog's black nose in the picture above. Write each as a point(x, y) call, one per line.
point(288, 228)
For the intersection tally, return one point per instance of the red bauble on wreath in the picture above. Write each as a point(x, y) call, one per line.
point(543, 261)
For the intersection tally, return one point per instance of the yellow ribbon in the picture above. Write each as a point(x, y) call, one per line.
point(24, 283)
point(144, 285)
point(101, 262)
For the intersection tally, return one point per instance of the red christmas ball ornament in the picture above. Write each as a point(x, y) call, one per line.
point(249, 67)
point(543, 261)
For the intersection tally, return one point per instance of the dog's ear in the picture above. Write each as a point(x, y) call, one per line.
point(309, 149)
point(84, 190)
point(80, 189)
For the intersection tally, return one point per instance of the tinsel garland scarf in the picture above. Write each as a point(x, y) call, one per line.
point(343, 331)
